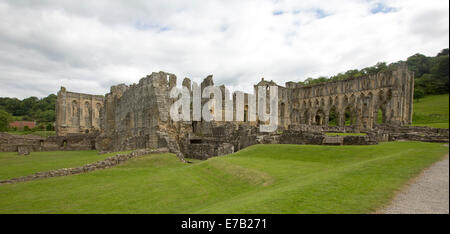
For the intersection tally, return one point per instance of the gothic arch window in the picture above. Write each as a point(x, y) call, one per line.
point(332, 117)
point(348, 116)
point(380, 115)
point(319, 117)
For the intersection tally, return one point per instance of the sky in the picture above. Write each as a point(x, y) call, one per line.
point(87, 46)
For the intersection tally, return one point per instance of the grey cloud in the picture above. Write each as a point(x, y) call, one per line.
point(89, 45)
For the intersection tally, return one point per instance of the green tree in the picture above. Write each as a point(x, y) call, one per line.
point(5, 118)
point(50, 127)
point(443, 52)
point(418, 94)
point(440, 74)
point(419, 64)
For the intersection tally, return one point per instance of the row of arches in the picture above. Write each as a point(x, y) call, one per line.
point(365, 109)
point(344, 86)
point(352, 99)
point(333, 117)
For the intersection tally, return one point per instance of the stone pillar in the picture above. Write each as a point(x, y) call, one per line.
point(395, 117)
point(341, 118)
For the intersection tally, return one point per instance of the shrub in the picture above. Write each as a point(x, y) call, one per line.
point(5, 118)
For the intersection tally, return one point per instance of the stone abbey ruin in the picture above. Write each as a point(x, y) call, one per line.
point(137, 117)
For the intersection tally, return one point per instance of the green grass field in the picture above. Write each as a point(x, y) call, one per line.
point(432, 111)
point(258, 179)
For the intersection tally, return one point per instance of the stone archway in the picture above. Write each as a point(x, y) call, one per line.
point(319, 117)
point(349, 116)
point(333, 117)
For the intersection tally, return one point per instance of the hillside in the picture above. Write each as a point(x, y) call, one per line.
point(432, 111)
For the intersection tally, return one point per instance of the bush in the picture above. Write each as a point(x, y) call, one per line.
point(418, 94)
point(5, 118)
point(50, 127)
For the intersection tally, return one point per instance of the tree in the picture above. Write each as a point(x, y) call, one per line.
point(440, 73)
point(419, 64)
point(5, 118)
point(45, 116)
point(418, 94)
point(431, 73)
point(443, 52)
point(50, 127)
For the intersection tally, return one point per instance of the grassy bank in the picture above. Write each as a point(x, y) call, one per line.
point(13, 165)
point(432, 111)
point(258, 179)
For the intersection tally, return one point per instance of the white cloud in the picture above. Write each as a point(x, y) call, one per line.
point(89, 45)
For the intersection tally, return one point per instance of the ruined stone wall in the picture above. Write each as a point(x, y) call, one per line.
point(77, 112)
point(71, 141)
point(137, 116)
point(133, 116)
point(356, 102)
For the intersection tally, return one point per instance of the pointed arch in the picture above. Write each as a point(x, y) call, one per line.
point(333, 116)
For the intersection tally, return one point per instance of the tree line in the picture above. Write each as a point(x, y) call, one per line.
point(29, 109)
point(431, 73)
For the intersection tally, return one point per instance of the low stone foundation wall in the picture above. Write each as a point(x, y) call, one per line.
point(12, 143)
point(360, 140)
point(414, 133)
point(106, 163)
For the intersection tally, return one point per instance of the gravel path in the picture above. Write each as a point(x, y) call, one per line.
point(427, 194)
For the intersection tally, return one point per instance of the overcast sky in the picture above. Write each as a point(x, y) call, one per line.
point(87, 46)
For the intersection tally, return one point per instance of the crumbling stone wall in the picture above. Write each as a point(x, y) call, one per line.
point(72, 141)
point(134, 116)
point(361, 99)
point(137, 116)
point(12, 143)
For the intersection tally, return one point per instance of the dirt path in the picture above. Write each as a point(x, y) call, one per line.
point(428, 193)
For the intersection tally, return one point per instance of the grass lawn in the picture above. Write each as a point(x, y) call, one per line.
point(344, 134)
point(14, 165)
point(432, 111)
point(258, 179)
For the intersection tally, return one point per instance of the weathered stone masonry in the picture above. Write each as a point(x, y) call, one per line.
point(137, 117)
point(77, 112)
point(390, 93)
